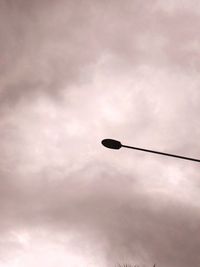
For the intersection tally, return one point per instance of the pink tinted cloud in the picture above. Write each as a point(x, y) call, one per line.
point(73, 73)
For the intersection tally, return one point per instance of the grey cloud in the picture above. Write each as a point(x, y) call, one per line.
point(127, 221)
point(48, 46)
point(73, 72)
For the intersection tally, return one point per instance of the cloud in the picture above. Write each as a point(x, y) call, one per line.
point(72, 74)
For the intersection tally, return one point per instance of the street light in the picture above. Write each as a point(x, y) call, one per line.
point(114, 144)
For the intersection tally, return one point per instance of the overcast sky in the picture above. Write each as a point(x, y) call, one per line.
point(75, 72)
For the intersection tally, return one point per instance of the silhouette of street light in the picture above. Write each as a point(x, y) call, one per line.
point(114, 144)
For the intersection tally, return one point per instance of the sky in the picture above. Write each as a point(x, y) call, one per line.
point(75, 72)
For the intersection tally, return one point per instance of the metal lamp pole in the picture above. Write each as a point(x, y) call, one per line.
point(114, 144)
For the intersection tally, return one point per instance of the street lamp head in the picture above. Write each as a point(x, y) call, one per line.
point(110, 143)
point(114, 144)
